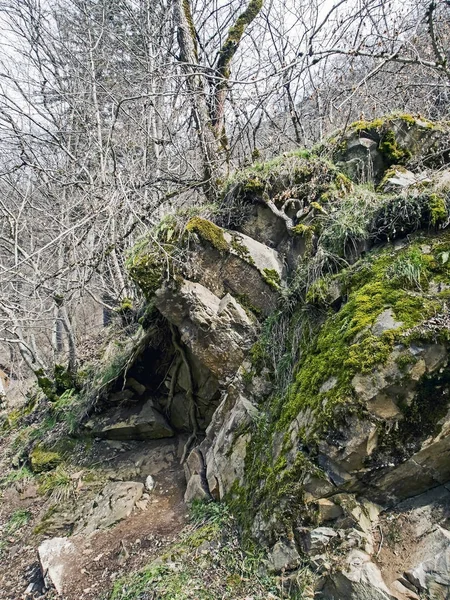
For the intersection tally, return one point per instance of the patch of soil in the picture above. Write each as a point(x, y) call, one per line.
point(399, 545)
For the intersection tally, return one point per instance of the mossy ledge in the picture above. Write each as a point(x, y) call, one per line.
point(208, 232)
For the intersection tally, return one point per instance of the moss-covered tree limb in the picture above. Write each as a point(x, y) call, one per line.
point(187, 41)
point(225, 56)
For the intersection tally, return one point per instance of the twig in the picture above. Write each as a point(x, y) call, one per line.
point(381, 541)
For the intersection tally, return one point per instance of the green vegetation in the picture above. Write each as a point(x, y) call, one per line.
point(60, 381)
point(298, 174)
point(391, 150)
point(43, 459)
point(332, 347)
point(146, 265)
point(21, 474)
point(409, 269)
point(438, 208)
point(345, 346)
point(209, 232)
point(18, 519)
point(57, 483)
point(348, 226)
point(208, 562)
point(272, 278)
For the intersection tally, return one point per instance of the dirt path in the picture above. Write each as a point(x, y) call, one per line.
point(102, 557)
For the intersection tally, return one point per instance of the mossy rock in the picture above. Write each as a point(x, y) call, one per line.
point(360, 338)
point(208, 232)
point(146, 269)
point(392, 140)
point(43, 459)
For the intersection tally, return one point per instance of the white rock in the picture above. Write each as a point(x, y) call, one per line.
point(55, 558)
point(149, 483)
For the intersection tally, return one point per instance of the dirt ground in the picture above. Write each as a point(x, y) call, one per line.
point(104, 556)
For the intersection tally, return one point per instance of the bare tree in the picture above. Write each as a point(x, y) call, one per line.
point(112, 111)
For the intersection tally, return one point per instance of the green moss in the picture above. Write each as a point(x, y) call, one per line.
point(126, 305)
point(272, 278)
point(379, 123)
point(254, 185)
point(46, 384)
point(343, 183)
point(242, 251)
point(209, 232)
point(150, 261)
point(146, 269)
point(307, 233)
point(43, 459)
point(258, 356)
point(360, 126)
point(345, 345)
point(417, 121)
point(303, 230)
point(391, 150)
point(405, 360)
point(62, 381)
point(234, 36)
point(438, 209)
point(317, 207)
point(299, 173)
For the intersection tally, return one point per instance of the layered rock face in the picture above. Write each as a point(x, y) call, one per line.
point(309, 332)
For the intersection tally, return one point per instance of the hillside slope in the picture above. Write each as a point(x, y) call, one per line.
point(293, 357)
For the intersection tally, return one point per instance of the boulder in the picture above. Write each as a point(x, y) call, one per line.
point(362, 161)
point(55, 556)
point(226, 448)
point(315, 541)
point(263, 225)
point(217, 331)
point(249, 270)
point(328, 510)
point(359, 579)
point(398, 179)
point(114, 503)
point(131, 423)
point(284, 557)
point(195, 489)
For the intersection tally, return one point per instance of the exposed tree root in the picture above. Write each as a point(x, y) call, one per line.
point(173, 384)
point(202, 473)
point(189, 394)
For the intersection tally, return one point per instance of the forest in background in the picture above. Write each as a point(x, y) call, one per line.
point(116, 112)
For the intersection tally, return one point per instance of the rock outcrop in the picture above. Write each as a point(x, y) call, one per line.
point(306, 351)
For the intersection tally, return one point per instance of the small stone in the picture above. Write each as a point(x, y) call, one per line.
point(136, 386)
point(328, 510)
point(385, 322)
point(284, 556)
point(315, 541)
point(150, 483)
